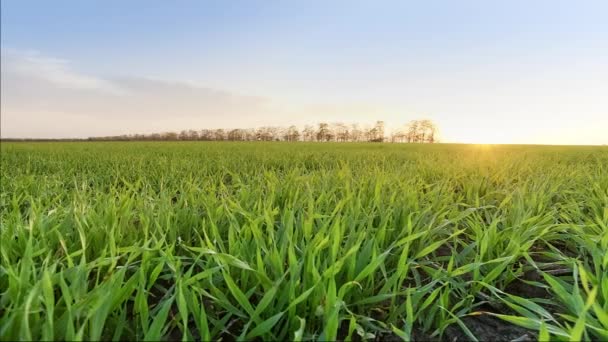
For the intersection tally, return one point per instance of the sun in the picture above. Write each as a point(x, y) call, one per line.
point(491, 134)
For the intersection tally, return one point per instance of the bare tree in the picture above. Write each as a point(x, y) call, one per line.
point(192, 135)
point(275, 133)
point(421, 131)
point(219, 134)
point(292, 133)
point(324, 133)
point(308, 134)
point(249, 134)
point(412, 131)
point(379, 132)
point(368, 133)
point(236, 135)
point(341, 131)
point(264, 134)
point(356, 134)
point(428, 131)
point(169, 136)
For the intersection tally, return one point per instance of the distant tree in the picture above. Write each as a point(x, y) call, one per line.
point(192, 135)
point(412, 131)
point(428, 131)
point(308, 134)
point(169, 136)
point(275, 133)
point(205, 134)
point(249, 134)
point(400, 135)
point(356, 134)
point(368, 133)
point(259, 134)
point(378, 132)
point(219, 134)
point(395, 136)
point(324, 133)
point(264, 134)
point(421, 131)
point(235, 135)
point(341, 132)
point(292, 133)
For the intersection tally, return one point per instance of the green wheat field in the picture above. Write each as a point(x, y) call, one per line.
point(303, 241)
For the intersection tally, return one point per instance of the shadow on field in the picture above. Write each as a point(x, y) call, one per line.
point(485, 328)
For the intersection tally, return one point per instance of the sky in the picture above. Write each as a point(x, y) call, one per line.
point(533, 71)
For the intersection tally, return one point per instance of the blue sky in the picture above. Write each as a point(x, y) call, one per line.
point(485, 71)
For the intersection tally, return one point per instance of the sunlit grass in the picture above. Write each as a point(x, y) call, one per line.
point(300, 241)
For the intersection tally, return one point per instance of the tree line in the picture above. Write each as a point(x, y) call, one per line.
point(416, 131)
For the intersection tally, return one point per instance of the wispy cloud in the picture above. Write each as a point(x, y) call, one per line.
point(38, 90)
point(57, 72)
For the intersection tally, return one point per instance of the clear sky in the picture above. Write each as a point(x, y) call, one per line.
point(486, 71)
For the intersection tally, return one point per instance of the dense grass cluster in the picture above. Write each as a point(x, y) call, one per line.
point(300, 241)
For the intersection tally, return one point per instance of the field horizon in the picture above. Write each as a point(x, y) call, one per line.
point(84, 140)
